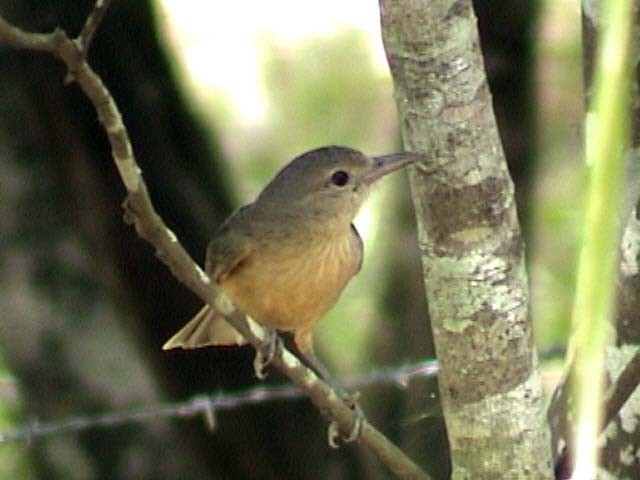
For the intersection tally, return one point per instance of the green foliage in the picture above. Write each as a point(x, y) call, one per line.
point(322, 91)
point(560, 183)
point(14, 461)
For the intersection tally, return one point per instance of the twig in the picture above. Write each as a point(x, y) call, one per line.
point(560, 411)
point(207, 405)
point(92, 23)
point(141, 213)
point(618, 393)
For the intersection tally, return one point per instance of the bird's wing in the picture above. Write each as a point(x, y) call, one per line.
point(208, 327)
point(231, 246)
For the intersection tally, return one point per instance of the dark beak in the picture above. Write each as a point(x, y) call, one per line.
point(389, 163)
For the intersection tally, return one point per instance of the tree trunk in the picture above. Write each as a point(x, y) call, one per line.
point(470, 243)
point(508, 46)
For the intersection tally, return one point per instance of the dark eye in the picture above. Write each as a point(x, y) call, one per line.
point(340, 178)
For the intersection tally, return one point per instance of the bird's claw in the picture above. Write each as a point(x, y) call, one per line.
point(273, 345)
point(352, 401)
point(333, 433)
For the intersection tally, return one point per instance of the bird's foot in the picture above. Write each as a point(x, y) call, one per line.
point(265, 354)
point(334, 433)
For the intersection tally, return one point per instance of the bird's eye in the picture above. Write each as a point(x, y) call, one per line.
point(340, 178)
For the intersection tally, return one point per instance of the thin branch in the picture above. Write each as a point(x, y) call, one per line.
point(618, 394)
point(92, 23)
point(561, 407)
point(207, 405)
point(42, 42)
point(148, 224)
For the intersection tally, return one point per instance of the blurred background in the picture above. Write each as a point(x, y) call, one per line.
point(217, 97)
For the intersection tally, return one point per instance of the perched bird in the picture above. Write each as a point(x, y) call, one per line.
point(285, 258)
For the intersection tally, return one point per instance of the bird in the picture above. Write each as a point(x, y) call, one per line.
point(285, 258)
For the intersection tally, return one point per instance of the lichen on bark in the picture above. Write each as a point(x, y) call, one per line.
point(471, 246)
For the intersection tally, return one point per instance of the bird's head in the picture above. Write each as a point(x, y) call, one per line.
point(329, 182)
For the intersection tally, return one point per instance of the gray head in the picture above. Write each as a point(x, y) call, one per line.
point(327, 182)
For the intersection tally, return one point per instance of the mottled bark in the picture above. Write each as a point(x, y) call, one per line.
point(508, 44)
point(470, 243)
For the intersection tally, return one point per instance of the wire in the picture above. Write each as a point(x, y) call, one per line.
point(208, 404)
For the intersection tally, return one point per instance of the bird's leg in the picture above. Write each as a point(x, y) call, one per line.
point(304, 343)
point(265, 354)
point(333, 433)
point(350, 399)
point(318, 367)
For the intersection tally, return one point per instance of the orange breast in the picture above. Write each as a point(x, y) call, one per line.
point(291, 288)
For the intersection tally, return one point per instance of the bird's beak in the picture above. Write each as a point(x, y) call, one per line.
point(385, 164)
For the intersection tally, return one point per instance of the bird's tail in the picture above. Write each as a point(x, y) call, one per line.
point(204, 329)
